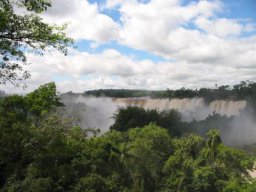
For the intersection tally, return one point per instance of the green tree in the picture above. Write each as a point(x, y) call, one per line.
point(212, 143)
point(145, 153)
point(131, 117)
point(43, 100)
point(20, 33)
point(179, 167)
point(18, 117)
point(198, 166)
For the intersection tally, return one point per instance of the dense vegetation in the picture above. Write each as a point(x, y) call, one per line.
point(41, 151)
point(244, 90)
point(123, 93)
point(131, 117)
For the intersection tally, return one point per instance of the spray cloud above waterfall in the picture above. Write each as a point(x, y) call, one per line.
point(233, 104)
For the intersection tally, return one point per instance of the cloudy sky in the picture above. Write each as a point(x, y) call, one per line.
point(149, 44)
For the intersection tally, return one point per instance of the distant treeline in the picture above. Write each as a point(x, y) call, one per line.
point(243, 90)
point(124, 93)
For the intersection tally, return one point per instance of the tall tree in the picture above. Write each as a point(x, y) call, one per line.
point(25, 32)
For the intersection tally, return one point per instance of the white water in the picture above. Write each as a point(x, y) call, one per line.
point(90, 112)
point(190, 109)
point(98, 112)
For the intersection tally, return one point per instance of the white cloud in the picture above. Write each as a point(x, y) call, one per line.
point(113, 3)
point(84, 20)
point(222, 27)
point(147, 26)
point(163, 27)
point(167, 28)
point(111, 69)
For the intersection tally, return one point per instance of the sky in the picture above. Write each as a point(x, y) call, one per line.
point(148, 44)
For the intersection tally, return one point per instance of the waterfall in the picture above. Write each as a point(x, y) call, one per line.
point(227, 108)
point(98, 112)
point(194, 108)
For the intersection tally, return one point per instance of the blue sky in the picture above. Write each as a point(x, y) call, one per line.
point(150, 44)
point(243, 10)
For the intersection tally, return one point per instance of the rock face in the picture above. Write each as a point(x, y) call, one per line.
point(194, 108)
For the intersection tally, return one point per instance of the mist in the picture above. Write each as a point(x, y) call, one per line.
point(2, 93)
point(98, 112)
point(241, 130)
point(90, 112)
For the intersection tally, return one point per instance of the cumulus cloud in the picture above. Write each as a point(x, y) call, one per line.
point(149, 26)
point(80, 71)
point(84, 20)
point(201, 48)
point(222, 27)
point(174, 31)
point(161, 27)
point(113, 3)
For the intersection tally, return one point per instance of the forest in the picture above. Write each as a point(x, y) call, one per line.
point(143, 151)
point(243, 90)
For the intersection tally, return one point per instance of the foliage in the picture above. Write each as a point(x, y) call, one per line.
point(212, 121)
point(131, 117)
point(18, 120)
point(243, 90)
point(43, 99)
point(147, 150)
point(122, 93)
point(21, 33)
point(199, 165)
point(40, 151)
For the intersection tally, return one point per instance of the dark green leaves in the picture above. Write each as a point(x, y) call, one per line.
point(40, 151)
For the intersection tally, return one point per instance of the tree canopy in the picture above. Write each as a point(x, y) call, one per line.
point(243, 90)
point(130, 117)
point(41, 151)
point(22, 33)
